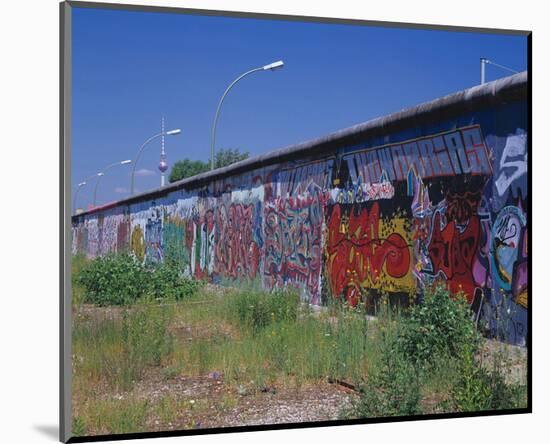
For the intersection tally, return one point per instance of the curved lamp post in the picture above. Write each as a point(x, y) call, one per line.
point(165, 133)
point(80, 185)
point(484, 61)
point(102, 173)
point(271, 67)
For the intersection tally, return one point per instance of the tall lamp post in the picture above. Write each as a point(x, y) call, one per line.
point(102, 173)
point(162, 133)
point(79, 186)
point(271, 67)
point(483, 61)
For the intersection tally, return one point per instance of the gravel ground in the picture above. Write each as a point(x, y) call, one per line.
point(513, 356)
point(207, 402)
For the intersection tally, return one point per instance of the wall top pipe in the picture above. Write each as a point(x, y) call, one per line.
point(507, 89)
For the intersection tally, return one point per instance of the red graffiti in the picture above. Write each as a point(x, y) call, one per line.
point(356, 252)
point(462, 206)
point(452, 250)
point(236, 250)
point(123, 235)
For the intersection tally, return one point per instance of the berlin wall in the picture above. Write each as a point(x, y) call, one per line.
point(438, 192)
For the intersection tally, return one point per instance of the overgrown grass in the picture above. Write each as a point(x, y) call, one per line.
point(78, 263)
point(116, 350)
point(424, 359)
point(112, 416)
point(258, 339)
point(431, 353)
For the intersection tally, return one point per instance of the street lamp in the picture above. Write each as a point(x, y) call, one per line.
point(102, 173)
point(483, 61)
point(271, 67)
point(80, 185)
point(162, 133)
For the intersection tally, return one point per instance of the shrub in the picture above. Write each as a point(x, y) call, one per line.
point(439, 328)
point(112, 279)
point(479, 389)
point(392, 387)
point(122, 280)
point(165, 281)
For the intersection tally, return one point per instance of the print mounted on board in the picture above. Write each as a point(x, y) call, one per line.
point(237, 266)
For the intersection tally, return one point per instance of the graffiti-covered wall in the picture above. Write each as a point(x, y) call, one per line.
point(434, 193)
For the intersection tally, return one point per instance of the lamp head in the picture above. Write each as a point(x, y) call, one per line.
point(275, 65)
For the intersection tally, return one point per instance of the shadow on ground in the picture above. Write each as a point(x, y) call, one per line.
point(50, 431)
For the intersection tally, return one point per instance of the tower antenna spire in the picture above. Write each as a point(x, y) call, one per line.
point(163, 166)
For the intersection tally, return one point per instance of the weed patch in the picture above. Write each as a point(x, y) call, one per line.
point(123, 280)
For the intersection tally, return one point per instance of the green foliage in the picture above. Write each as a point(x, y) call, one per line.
point(257, 340)
point(257, 309)
point(392, 391)
point(123, 280)
point(439, 328)
point(434, 344)
point(112, 280)
point(117, 416)
point(145, 336)
point(227, 156)
point(479, 389)
point(187, 168)
point(79, 426)
point(117, 350)
point(347, 331)
point(392, 387)
point(473, 389)
point(165, 281)
point(291, 344)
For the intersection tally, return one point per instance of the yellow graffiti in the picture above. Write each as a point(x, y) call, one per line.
point(523, 298)
point(138, 243)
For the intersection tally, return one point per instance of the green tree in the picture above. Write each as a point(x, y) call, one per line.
point(187, 168)
point(225, 157)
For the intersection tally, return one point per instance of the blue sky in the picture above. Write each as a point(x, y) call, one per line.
point(132, 68)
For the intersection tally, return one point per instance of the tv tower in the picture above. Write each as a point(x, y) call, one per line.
point(163, 166)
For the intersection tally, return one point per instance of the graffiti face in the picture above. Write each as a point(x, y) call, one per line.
point(507, 230)
point(360, 256)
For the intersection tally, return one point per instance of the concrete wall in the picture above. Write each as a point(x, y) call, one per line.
point(437, 192)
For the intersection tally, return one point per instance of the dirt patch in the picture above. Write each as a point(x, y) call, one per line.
point(207, 402)
point(512, 359)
